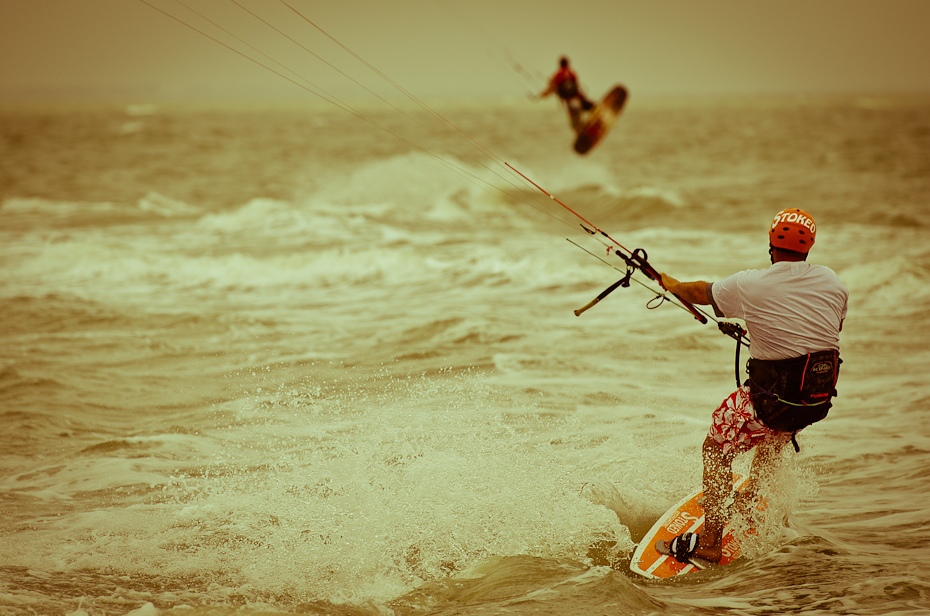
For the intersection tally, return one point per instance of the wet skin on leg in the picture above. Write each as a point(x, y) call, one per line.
point(718, 484)
point(718, 473)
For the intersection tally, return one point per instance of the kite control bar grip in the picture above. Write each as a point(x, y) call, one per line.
point(579, 311)
point(623, 282)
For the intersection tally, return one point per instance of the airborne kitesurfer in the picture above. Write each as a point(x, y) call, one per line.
point(794, 312)
point(565, 84)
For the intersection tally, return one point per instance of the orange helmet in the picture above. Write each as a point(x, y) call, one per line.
point(793, 229)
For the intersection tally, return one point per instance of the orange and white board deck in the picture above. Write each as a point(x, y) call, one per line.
point(686, 516)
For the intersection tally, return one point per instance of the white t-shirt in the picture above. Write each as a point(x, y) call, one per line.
point(790, 309)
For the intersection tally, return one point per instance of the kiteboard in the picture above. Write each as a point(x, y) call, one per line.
point(600, 120)
point(651, 557)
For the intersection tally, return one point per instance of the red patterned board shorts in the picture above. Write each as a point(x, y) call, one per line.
point(734, 424)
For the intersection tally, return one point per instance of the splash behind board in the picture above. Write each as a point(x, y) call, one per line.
point(600, 120)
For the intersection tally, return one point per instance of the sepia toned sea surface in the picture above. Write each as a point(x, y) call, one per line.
point(298, 360)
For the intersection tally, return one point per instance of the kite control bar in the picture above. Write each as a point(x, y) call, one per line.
point(635, 259)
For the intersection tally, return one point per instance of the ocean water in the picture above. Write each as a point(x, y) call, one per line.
point(299, 360)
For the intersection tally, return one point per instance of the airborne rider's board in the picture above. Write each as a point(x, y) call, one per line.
point(651, 558)
point(600, 120)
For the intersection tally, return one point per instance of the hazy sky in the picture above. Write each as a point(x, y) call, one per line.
point(126, 50)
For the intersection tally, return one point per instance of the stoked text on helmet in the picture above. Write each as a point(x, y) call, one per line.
point(793, 229)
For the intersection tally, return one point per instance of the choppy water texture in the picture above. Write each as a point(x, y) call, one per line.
point(263, 361)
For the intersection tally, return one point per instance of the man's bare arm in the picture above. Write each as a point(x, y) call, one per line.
point(697, 292)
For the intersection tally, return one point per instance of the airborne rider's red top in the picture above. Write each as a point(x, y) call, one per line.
point(565, 83)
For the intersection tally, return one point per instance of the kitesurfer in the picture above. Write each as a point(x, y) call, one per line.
point(565, 84)
point(794, 313)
